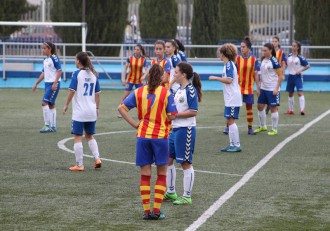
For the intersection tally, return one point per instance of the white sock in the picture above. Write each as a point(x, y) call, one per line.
point(188, 181)
point(275, 120)
point(45, 110)
point(291, 102)
point(262, 117)
point(170, 178)
point(234, 135)
point(94, 148)
point(79, 152)
point(52, 117)
point(302, 102)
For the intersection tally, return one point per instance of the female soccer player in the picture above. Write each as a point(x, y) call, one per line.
point(232, 94)
point(183, 135)
point(248, 67)
point(85, 93)
point(136, 62)
point(269, 89)
point(296, 65)
point(51, 73)
point(171, 52)
point(181, 49)
point(155, 107)
point(163, 62)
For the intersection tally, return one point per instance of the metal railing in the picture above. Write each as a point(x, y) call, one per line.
point(23, 52)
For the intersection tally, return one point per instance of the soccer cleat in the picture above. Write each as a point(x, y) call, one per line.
point(183, 201)
point(251, 132)
point(234, 149)
point(170, 196)
point(97, 163)
point(261, 129)
point(157, 216)
point(226, 130)
point(53, 128)
point(289, 112)
point(273, 132)
point(302, 112)
point(226, 149)
point(119, 116)
point(146, 216)
point(45, 129)
point(77, 168)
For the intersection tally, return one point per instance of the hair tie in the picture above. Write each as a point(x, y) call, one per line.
point(46, 44)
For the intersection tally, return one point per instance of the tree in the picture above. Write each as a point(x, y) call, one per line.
point(302, 18)
point(158, 19)
point(205, 26)
point(106, 20)
point(12, 10)
point(233, 20)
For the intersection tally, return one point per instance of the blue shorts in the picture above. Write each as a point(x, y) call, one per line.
point(248, 98)
point(150, 151)
point(182, 144)
point(77, 128)
point(294, 81)
point(129, 86)
point(231, 112)
point(50, 95)
point(267, 97)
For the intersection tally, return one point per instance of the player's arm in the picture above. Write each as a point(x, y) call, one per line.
point(58, 76)
point(145, 73)
point(97, 101)
point(279, 80)
point(68, 101)
point(303, 69)
point(41, 77)
point(186, 114)
point(222, 80)
point(123, 74)
point(125, 114)
point(256, 80)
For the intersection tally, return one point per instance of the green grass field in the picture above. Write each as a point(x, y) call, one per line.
point(38, 192)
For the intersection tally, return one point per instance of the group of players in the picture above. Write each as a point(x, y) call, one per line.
point(166, 98)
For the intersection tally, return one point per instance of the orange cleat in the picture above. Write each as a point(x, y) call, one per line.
point(97, 163)
point(289, 113)
point(77, 168)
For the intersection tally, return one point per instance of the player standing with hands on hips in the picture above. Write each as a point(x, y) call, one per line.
point(85, 96)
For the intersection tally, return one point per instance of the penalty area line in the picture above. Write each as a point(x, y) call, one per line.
point(248, 175)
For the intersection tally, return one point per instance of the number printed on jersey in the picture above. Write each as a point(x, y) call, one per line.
point(89, 87)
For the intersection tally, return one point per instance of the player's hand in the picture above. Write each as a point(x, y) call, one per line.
point(97, 112)
point(123, 83)
point(258, 92)
point(212, 77)
point(275, 92)
point(54, 87)
point(65, 108)
point(34, 88)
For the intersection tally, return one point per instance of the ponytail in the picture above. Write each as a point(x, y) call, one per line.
point(143, 51)
point(85, 61)
point(52, 47)
point(154, 78)
point(198, 85)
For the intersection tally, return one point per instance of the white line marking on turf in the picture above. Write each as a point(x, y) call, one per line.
point(247, 176)
point(61, 145)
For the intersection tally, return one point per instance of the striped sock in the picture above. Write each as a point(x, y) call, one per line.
point(160, 188)
point(249, 116)
point(145, 192)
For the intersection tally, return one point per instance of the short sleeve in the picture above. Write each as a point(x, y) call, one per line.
point(175, 60)
point(171, 108)
point(303, 61)
point(167, 67)
point(130, 101)
point(183, 56)
point(275, 63)
point(256, 65)
point(74, 81)
point(127, 60)
point(284, 57)
point(97, 86)
point(229, 70)
point(192, 98)
point(57, 62)
point(145, 63)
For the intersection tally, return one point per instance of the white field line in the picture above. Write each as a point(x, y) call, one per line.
point(248, 175)
point(61, 145)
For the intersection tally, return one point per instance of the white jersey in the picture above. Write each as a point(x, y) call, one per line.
point(296, 64)
point(174, 61)
point(52, 65)
point(269, 76)
point(86, 85)
point(231, 92)
point(185, 99)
